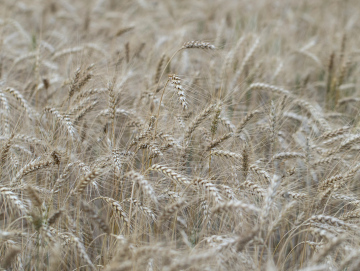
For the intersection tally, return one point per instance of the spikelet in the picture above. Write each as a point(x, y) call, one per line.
point(170, 140)
point(330, 181)
point(346, 199)
point(144, 134)
point(198, 45)
point(9, 257)
point(5, 235)
point(204, 206)
point(333, 244)
point(122, 31)
point(192, 260)
point(145, 210)
point(64, 120)
point(269, 198)
point(62, 178)
point(159, 68)
point(334, 133)
point(243, 241)
point(210, 188)
point(34, 197)
point(176, 84)
point(144, 184)
point(84, 181)
point(230, 57)
point(314, 114)
point(229, 192)
point(19, 28)
point(245, 162)
point(5, 113)
point(6, 193)
point(327, 160)
point(338, 180)
point(29, 139)
point(348, 100)
point(284, 212)
point(288, 155)
point(170, 173)
point(52, 219)
point(5, 150)
point(119, 210)
point(226, 154)
point(127, 52)
point(95, 216)
point(350, 215)
point(85, 110)
point(118, 157)
point(154, 149)
point(215, 122)
point(171, 209)
point(346, 144)
point(85, 94)
point(112, 100)
point(31, 167)
point(227, 123)
point(79, 105)
point(268, 87)
point(22, 149)
point(261, 172)
point(80, 80)
point(219, 140)
point(293, 195)
point(167, 194)
point(333, 140)
point(353, 257)
point(81, 250)
point(255, 188)
point(22, 101)
point(324, 233)
point(245, 120)
point(197, 120)
point(273, 123)
point(67, 51)
point(244, 63)
point(56, 156)
point(234, 205)
point(333, 221)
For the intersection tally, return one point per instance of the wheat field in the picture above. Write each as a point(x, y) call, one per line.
point(179, 135)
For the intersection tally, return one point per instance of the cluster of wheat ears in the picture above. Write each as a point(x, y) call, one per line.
point(179, 135)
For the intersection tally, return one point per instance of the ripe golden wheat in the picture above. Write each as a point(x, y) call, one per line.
point(179, 135)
